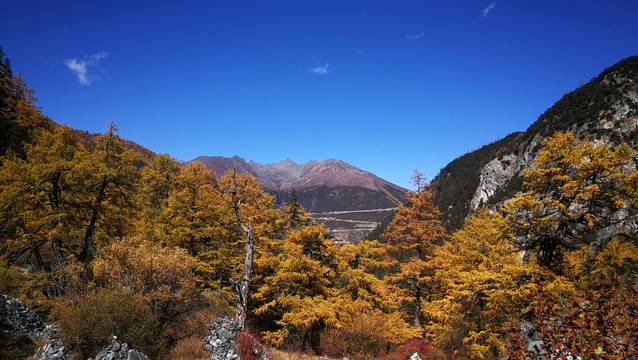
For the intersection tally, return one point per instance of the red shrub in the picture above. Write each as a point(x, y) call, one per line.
point(249, 346)
point(419, 346)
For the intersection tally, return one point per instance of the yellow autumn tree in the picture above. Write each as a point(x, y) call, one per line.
point(106, 207)
point(299, 295)
point(369, 319)
point(578, 193)
point(413, 234)
point(360, 287)
point(481, 283)
point(36, 200)
point(194, 211)
point(72, 198)
point(157, 181)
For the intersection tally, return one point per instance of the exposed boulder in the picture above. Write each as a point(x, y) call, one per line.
point(225, 341)
point(52, 350)
point(220, 339)
point(532, 342)
point(118, 350)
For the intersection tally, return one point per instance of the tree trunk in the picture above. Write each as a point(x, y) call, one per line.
point(86, 255)
point(243, 286)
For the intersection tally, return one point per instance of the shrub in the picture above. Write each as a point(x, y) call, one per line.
point(87, 323)
point(164, 277)
point(189, 348)
point(147, 296)
point(362, 336)
point(248, 346)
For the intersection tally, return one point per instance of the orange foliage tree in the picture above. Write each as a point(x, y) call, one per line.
point(414, 232)
point(573, 191)
point(369, 319)
point(37, 200)
point(299, 294)
point(481, 283)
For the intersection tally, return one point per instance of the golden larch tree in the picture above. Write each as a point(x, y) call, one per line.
point(578, 193)
point(414, 233)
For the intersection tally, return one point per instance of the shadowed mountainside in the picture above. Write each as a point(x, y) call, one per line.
point(604, 110)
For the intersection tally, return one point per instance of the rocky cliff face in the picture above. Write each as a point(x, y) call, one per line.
point(351, 202)
point(494, 176)
point(604, 111)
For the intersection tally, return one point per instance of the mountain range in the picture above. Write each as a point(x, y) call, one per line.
point(350, 201)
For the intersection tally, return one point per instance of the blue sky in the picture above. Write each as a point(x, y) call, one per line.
point(387, 86)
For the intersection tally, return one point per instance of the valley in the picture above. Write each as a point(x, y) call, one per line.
point(351, 202)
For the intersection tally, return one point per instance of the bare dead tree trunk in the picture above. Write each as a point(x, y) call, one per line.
point(242, 287)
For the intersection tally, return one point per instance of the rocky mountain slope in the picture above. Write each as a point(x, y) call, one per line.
point(605, 110)
point(350, 201)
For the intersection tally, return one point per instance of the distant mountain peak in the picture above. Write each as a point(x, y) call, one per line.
point(287, 174)
point(287, 161)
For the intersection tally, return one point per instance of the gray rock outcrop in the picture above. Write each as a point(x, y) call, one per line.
point(220, 339)
point(53, 350)
point(224, 340)
point(531, 340)
point(494, 176)
point(20, 327)
point(16, 317)
point(118, 350)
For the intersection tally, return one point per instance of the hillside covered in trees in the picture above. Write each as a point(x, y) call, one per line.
point(104, 238)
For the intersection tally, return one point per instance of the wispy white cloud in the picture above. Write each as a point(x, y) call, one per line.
point(487, 10)
point(415, 36)
point(320, 69)
point(81, 67)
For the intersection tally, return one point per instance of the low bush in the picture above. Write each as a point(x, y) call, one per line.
point(361, 337)
point(249, 346)
point(189, 348)
point(89, 322)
